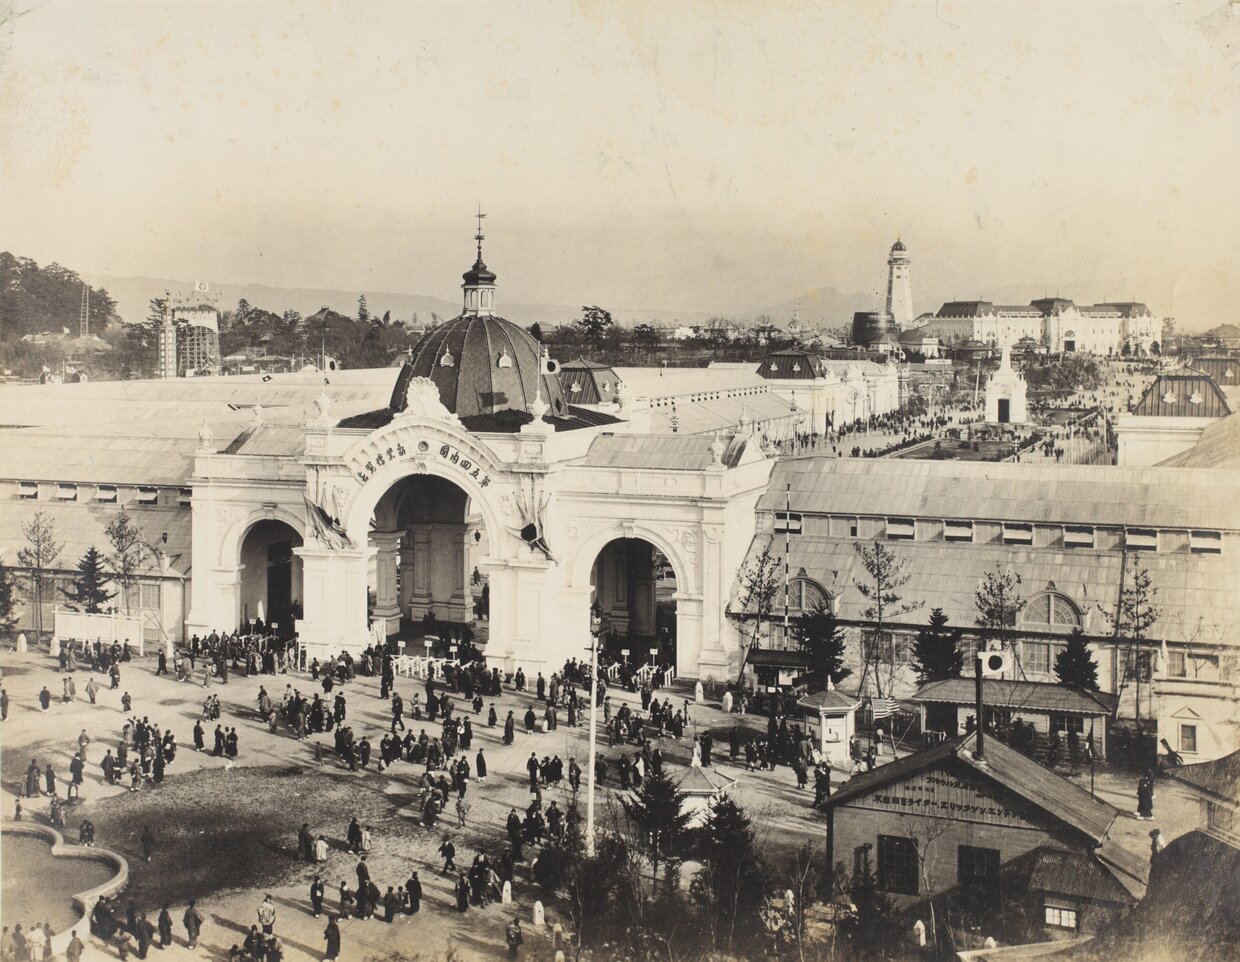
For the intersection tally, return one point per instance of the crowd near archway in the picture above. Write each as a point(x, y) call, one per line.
point(270, 577)
point(634, 587)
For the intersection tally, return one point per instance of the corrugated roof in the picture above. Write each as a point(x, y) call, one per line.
point(1051, 493)
point(585, 382)
point(1225, 370)
point(1218, 447)
point(81, 526)
point(721, 414)
point(1053, 794)
point(1074, 874)
point(946, 575)
point(1033, 695)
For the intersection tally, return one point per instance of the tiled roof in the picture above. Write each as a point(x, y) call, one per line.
point(1183, 394)
point(1058, 797)
point(1052, 493)
point(585, 382)
point(791, 366)
point(1220, 777)
point(834, 699)
point(671, 452)
point(966, 309)
point(1032, 695)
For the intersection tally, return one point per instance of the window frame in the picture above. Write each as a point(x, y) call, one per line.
point(970, 856)
point(1058, 919)
point(28, 490)
point(1188, 727)
point(895, 872)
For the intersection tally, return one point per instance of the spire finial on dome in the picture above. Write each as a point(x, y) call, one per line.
point(480, 237)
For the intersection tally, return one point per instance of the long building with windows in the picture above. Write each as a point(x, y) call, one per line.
point(1055, 323)
point(1066, 534)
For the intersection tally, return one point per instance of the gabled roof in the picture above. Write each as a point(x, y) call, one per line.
point(1059, 798)
point(1220, 778)
point(966, 309)
point(791, 365)
point(1183, 393)
point(586, 382)
point(1225, 370)
point(696, 780)
point(1030, 695)
point(834, 700)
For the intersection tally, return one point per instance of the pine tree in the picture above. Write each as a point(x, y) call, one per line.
point(656, 812)
point(821, 637)
point(37, 557)
point(1075, 665)
point(363, 312)
point(936, 651)
point(884, 577)
point(733, 881)
point(88, 592)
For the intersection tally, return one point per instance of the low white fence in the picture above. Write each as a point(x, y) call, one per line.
point(80, 626)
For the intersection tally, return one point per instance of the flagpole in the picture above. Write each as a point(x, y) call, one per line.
point(787, 525)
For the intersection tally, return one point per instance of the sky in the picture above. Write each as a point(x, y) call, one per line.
point(717, 155)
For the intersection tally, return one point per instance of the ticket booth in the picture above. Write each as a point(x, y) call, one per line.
point(830, 719)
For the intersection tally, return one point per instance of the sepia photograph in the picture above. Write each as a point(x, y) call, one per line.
point(620, 480)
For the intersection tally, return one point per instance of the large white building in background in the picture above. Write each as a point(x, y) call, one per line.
point(1056, 323)
point(372, 500)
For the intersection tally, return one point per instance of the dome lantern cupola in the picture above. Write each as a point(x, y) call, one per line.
point(479, 283)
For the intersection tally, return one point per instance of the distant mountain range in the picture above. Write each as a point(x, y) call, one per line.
point(823, 307)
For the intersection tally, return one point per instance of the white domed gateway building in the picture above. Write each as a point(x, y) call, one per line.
point(477, 502)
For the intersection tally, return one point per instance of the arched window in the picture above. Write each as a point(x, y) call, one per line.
point(1051, 610)
point(804, 594)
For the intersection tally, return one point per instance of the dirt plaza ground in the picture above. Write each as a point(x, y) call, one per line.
point(226, 834)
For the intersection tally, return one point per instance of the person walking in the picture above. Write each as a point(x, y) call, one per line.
point(512, 936)
point(193, 925)
point(317, 891)
point(413, 893)
point(165, 927)
point(480, 766)
point(75, 948)
point(331, 935)
point(148, 842)
point(267, 915)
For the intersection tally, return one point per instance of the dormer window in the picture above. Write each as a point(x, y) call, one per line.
point(505, 359)
point(575, 387)
point(774, 367)
point(447, 360)
point(1169, 397)
point(1195, 398)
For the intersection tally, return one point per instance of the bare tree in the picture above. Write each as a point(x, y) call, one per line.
point(884, 577)
point(129, 551)
point(759, 580)
point(999, 601)
point(925, 832)
point(41, 551)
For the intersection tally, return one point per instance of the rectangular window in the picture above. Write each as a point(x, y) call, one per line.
point(147, 496)
point(853, 528)
point(148, 595)
point(1078, 536)
point(1137, 665)
point(185, 497)
point(1018, 533)
point(1060, 918)
point(958, 531)
point(1188, 738)
point(1177, 665)
point(106, 493)
point(66, 492)
point(1206, 542)
point(1037, 657)
point(1068, 723)
point(977, 866)
point(897, 865)
point(901, 529)
point(1142, 539)
point(28, 490)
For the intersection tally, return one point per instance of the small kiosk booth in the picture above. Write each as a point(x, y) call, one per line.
point(830, 717)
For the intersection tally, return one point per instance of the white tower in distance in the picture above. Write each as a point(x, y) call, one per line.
point(899, 286)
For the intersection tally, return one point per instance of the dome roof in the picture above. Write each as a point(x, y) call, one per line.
point(898, 246)
point(478, 274)
point(483, 364)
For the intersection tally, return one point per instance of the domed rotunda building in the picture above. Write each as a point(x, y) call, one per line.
point(478, 506)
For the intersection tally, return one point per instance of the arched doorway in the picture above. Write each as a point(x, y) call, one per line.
point(427, 577)
point(635, 586)
point(270, 585)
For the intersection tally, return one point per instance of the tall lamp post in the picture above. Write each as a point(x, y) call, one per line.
point(596, 624)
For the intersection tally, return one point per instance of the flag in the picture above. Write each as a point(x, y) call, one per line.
point(201, 287)
point(65, 329)
point(884, 707)
point(46, 369)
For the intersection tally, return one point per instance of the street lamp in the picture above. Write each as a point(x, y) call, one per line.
point(596, 625)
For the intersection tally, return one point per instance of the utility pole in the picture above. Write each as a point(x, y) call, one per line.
point(596, 621)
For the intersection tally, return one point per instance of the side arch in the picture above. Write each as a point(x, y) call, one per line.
point(687, 580)
point(230, 544)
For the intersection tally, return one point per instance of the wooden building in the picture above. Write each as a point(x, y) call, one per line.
point(1024, 853)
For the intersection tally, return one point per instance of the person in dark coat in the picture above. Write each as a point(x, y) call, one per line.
point(413, 891)
point(480, 766)
point(317, 891)
point(148, 842)
point(462, 893)
point(1145, 795)
point(193, 925)
point(391, 902)
point(165, 927)
point(331, 935)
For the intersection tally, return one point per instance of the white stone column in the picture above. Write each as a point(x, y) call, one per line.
point(420, 583)
point(406, 573)
point(387, 557)
point(695, 656)
point(335, 609)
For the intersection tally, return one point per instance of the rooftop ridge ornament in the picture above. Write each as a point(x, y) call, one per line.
point(479, 236)
point(206, 438)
